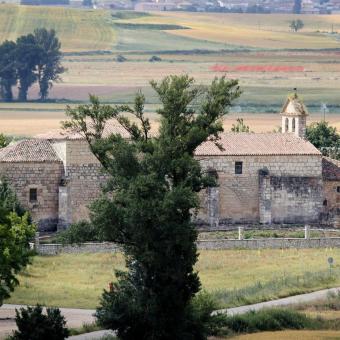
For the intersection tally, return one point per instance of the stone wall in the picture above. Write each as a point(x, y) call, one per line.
point(238, 195)
point(45, 177)
point(269, 243)
point(290, 199)
point(55, 249)
point(83, 182)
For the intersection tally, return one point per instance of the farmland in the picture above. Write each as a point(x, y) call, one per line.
point(260, 50)
point(70, 281)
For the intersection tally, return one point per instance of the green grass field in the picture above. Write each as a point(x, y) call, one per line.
point(78, 280)
point(79, 30)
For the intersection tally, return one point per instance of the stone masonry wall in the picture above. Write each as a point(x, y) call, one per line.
point(239, 194)
point(294, 199)
point(45, 177)
point(84, 179)
point(270, 243)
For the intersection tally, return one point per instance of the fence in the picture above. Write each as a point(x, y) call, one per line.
point(240, 243)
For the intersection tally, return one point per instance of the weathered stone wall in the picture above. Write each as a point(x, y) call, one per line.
point(274, 243)
point(290, 199)
point(84, 179)
point(55, 249)
point(238, 195)
point(331, 204)
point(45, 177)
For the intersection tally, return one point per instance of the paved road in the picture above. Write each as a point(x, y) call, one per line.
point(76, 317)
point(291, 300)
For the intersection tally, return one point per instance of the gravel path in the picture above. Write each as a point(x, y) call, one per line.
point(291, 300)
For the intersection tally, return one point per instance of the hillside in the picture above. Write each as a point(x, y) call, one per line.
point(98, 30)
point(79, 30)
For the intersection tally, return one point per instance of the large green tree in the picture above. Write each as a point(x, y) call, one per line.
point(324, 137)
point(8, 75)
point(15, 233)
point(153, 196)
point(28, 54)
point(49, 64)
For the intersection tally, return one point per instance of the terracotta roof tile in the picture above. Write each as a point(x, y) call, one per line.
point(33, 150)
point(294, 107)
point(237, 144)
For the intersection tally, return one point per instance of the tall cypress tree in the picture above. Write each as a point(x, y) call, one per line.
point(153, 196)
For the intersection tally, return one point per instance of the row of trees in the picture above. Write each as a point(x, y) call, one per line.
point(31, 58)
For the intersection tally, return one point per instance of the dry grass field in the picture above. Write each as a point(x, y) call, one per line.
point(78, 280)
point(211, 43)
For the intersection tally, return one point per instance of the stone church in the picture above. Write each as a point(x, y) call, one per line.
point(263, 178)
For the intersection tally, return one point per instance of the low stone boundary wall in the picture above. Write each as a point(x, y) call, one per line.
point(55, 249)
point(269, 243)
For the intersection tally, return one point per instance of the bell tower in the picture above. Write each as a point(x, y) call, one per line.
point(294, 116)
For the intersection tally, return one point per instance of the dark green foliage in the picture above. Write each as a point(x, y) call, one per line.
point(268, 320)
point(48, 64)
point(240, 126)
point(152, 196)
point(33, 57)
point(33, 324)
point(15, 233)
point(155, 58)
point(80, 232)
point(8, 199)
point(27, 56)
point(120, 58)
point(296, 25)
point(8, 74)
point(4, 140)
point(325, 138)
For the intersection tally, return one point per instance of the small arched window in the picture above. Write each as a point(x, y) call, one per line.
point(293, 125)
point(286, 124)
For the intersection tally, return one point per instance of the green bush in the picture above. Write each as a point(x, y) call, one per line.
point(79, 232)
point(34, 325)
point(268, 320)
point(155, 58)
point(120, 58)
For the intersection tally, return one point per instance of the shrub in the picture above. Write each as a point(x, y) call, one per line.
point(34, 325)
point(155, 58)
point(268, 320)
point(120, 58)
point(79, 232)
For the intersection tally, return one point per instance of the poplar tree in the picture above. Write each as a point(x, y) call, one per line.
point(153, 195)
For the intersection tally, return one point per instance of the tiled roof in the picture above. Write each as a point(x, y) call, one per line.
point(60, 134)
point(238, 144)
point(294, 107)
point(330, 169)
point(27, 151)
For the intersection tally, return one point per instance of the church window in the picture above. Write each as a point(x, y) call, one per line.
point(33, 195)
point(238, 168)
point(338, 189)
point(286, 124)
point(293, 125)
